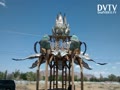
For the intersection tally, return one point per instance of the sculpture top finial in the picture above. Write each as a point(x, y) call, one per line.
point(59, 20)
point(61, 27)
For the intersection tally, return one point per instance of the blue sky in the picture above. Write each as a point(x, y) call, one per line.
point(23, 22)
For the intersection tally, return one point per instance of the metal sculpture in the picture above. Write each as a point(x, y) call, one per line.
point(60, 51)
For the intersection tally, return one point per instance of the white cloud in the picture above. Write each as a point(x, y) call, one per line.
point(2, 3)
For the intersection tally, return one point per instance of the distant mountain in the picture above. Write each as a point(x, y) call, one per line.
point(88, 76)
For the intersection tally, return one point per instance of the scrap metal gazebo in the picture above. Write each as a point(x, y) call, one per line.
point(60, 51)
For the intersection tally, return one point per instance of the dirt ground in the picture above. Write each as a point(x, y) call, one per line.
point(87, 86)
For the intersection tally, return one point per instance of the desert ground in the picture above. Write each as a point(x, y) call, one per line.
point(87, 86)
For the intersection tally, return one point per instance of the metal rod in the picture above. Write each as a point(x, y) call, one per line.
point(53, 75)
point(46, 76)
point(50, 77)
point(38, 74)
point(65, 77)
point(37, 81)
point(57, 74)
point(72, 73)
point(81, 74)
point(69, 73)
point(62, 77)
point(82, 88)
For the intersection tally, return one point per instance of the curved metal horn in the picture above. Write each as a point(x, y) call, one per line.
point(85, 47)
point(35, 47)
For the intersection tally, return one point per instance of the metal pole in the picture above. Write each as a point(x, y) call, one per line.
point(57, 74)
point(81, 74)
point(65, 77)
point(46, 76)
point(69, 73)
point(72, 73)
point(53, 75)
point(50, 77)
point(37, 81)
point(82, 88)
